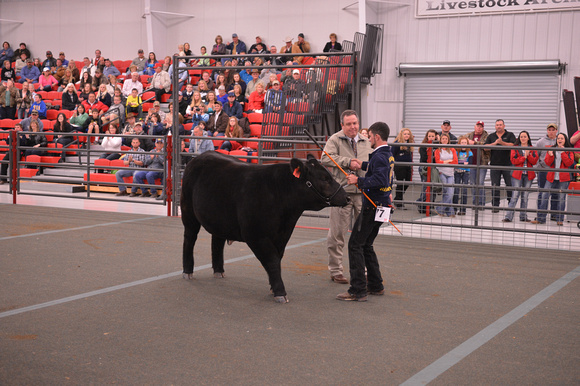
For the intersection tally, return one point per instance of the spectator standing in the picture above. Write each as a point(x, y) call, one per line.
point(26, 98)
point(477, 175)
point(461, 175)
point(556, 180)
point(521, 159)
point(426, 156)
point(547, 141)
point(7, 73)
point(402, 153)
point(446, 156)
point(9, 99)
point(348, 149)
point(499, 157)
point(446, 128)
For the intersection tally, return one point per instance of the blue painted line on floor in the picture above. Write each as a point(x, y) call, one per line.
point(134, 283)
point(454, 356)
point(78, 228)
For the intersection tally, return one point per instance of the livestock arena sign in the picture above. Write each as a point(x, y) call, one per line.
point(437, 8)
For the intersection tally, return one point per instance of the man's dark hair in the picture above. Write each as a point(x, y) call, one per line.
point(347, 113)
point(499, 120)
point(382, 129)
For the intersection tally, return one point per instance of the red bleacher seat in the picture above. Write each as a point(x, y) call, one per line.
point(188, 126)
point(222, 151)
point(256, 130)
point(119, 64)
point(165, 98)
point(51, 114)
point(67, 113)
point(54, 95)
point(43, 94)
point(57, 103)
point(18, 85)
point(254, 118)
point(8, 123)
point(147, 95)
point(147, 106)
point(46, 124)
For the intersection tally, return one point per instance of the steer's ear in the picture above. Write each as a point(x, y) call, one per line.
point(297, 167)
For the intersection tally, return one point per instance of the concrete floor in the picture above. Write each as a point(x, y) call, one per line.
point(91, 297)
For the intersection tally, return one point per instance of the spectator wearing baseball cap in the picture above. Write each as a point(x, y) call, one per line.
point(237, 46)
point(140, 61)
point(50, 61)
point(446, 128)
point(232, 107)
point(548, 140)
point(477, 176)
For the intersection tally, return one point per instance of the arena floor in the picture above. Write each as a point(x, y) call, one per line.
point(95, 297)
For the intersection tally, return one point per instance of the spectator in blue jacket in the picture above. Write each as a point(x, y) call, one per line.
point(30, 73)
point(233, 108)
point(6, 53)
point(39, 106)
point(237, 47)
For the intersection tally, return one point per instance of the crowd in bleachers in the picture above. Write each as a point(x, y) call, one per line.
point(99, 95)
point(546, 154)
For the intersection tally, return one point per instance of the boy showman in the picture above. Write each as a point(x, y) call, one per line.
point(377, 186)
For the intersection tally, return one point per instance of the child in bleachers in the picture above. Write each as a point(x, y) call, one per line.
point(133, 102)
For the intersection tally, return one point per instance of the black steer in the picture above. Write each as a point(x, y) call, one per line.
point(256, 204)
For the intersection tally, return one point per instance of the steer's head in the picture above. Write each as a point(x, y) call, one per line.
point(319, 186)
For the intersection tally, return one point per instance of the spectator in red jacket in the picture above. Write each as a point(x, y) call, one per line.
point(93, 103)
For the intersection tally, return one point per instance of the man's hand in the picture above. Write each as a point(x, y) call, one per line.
point(352, 179)
point(355, 164)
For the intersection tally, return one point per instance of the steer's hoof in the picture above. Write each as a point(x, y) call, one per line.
point(219, 275)
point(187, 276)
point(281, 299)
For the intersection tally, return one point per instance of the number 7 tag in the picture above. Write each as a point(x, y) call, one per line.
point(383, 214)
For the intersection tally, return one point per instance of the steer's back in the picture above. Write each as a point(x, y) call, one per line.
point(222, 192)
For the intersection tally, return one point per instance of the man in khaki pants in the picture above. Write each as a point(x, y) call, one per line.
point(348, 149)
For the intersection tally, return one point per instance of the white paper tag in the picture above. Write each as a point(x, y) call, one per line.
point(383, 214)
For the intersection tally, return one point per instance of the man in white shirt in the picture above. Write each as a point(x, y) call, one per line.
point(132, 83)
